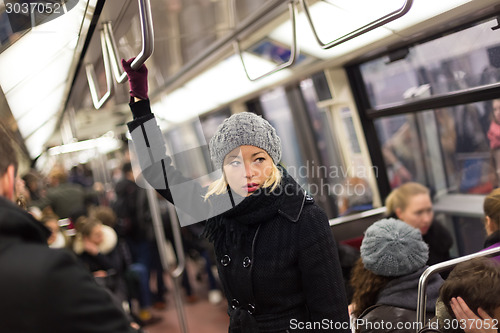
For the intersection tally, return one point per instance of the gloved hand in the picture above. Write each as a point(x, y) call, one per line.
point(138, 80)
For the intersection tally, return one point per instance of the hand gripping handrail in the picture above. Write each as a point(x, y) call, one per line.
point(437, 268)
point(293, 50)
point(358, 32)
point(147, 42)
point(162, 245)
point(91, 78)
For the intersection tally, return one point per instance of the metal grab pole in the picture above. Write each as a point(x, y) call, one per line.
point(437, 268)
point(358, 32)
point(162, 245)
point(293, 50)
point(91, 78)
point(147, 42)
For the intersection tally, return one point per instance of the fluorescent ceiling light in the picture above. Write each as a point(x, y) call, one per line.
point(34, 72)
point(215, 87)
point(103, 145)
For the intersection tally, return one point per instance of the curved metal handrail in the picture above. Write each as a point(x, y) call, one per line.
point(91, 78)
point(147, 42)
point(357, 216)
point(293, 50)
point(437, 268)
point(358, 32)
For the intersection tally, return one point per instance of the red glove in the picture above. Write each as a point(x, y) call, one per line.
point(138, 79)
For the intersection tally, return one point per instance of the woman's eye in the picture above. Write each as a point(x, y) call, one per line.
point(260, 159)
point(234, 163)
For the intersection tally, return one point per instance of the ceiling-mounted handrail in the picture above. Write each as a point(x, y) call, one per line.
point(147, 42)
point(293, 50)
point(437, 268)
point(358, 32)
point(91, 78)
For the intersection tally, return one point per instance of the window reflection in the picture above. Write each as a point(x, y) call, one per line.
point(436, 67)
point(459, 144)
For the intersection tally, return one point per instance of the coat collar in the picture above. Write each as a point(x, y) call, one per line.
point(16, 223)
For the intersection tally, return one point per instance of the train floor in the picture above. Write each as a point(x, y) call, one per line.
point(201, 315)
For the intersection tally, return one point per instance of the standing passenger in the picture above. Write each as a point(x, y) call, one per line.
point(494, 138)
point(42, 289)
point(411, 203)
point(276, 255)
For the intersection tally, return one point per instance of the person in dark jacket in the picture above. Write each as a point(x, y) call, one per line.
point(44, 290)
point(385, 279)
point(411, 203)
point(276, 255)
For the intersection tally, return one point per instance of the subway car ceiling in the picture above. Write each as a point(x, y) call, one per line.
point(194, 68)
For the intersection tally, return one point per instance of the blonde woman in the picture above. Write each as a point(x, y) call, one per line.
point(276, 255)
point(411, 203)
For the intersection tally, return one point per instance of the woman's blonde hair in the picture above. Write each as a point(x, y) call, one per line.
point(400, 196)
point(220, 186)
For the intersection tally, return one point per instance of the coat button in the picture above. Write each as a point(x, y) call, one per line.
point(225, 260)
point(247, 262)
point(234, 303)
point(251, 308)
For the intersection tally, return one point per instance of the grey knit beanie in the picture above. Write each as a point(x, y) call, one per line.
point(391, 247)
point(240, 129)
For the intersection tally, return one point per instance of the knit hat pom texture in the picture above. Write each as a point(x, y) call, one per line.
point(241, 129)
point(391, 247)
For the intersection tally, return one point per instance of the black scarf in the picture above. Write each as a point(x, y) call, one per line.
point(230, 227)
point(492, 239)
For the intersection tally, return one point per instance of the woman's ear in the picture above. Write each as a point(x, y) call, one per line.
point(489, 225)
point(398, 212)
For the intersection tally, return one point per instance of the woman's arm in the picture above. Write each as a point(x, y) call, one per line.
point(149, 146)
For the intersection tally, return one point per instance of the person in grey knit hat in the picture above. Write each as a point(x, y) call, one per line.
point(276, 256)
point(391, 247)
point(385, 278)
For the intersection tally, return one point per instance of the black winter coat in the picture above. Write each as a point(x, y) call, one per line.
point(276, 255)
point(45, 290)
point(396, 307)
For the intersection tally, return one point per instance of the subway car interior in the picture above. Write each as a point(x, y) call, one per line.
point(365, 96)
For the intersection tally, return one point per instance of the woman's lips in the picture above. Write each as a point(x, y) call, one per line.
point(251, 187)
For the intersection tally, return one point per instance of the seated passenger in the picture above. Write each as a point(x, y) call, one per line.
point(385, 279)
point(411, 203)
point(95, 245)
point(491, 208)
point(356, 196)
point(470, 297)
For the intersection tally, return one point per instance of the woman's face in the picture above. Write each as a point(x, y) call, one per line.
point(418, 212)
point(246, 168)
point(96, 235)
